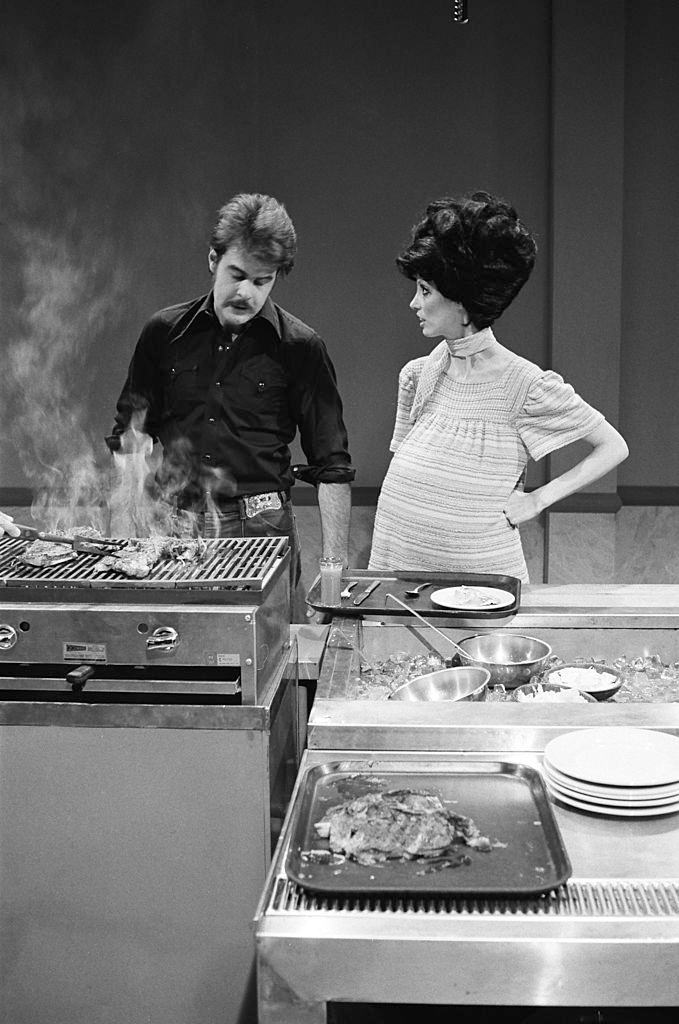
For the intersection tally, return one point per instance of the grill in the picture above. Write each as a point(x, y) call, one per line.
point(215, 627)
point(229, 564)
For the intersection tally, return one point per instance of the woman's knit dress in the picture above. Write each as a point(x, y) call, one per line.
point(459, 457)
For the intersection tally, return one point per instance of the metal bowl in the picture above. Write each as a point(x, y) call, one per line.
point(532, 690)
point(511, 659)
point(587, 677)
point(460, 683)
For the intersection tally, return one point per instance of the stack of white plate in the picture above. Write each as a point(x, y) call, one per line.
point(615, 770)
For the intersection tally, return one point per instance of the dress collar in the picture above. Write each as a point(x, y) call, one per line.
point(438, 360)
point(472, 344)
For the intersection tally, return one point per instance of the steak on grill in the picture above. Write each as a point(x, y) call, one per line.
point(141, 554)
point(397, 824)
point(42, 553)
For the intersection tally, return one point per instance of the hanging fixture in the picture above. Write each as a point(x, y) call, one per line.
point(460, 12)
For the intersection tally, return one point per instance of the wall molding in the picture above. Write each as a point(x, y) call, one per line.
point(585, 501)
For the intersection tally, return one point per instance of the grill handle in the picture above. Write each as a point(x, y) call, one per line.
point(77, 677)
point(164, 638)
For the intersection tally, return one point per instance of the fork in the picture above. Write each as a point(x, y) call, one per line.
point(415, 592)
point(349, 587)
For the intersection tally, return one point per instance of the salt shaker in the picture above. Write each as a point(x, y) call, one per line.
point(331, 581)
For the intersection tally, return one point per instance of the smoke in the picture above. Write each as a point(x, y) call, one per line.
point(142, 493)
point(48, 377)
point(87, 134)
point(66, 277)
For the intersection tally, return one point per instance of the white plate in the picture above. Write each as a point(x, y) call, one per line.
point(475, 598)
point(587, 789)
point(616, 756)
point(624, 812)
point(636, 794)
point(603, 799)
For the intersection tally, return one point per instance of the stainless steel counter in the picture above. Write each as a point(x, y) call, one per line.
point(608, 937)
point(577, 621)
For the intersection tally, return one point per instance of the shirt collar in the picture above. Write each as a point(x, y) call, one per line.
point(205, 313)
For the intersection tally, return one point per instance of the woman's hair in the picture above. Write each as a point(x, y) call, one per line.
point(475, 250)
point(261, 225)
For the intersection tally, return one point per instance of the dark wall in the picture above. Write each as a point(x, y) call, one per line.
point(649, 366)
point(125, 126)
point(130, 124)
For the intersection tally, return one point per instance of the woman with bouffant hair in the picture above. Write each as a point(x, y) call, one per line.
point(472, 412)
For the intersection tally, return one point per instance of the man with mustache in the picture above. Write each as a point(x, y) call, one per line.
point(227, 380)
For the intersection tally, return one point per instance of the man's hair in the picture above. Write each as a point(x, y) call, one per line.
point(475, 250)
point(261, 225)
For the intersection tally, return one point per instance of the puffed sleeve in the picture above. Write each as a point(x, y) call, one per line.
point(407, 386)
point(554, 415)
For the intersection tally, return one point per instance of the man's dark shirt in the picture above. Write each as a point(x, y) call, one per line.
point(227, 410)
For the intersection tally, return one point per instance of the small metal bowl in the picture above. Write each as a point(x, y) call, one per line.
point(532, 689)
point(460, 683)
point(590, 681)
point(511, 659)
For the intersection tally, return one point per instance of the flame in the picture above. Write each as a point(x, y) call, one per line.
point(141, 498)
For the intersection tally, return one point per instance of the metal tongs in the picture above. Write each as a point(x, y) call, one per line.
point(82, 545)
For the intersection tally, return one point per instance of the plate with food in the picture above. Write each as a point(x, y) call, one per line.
point(472, 598)
point(601, 681)
point(550, 693)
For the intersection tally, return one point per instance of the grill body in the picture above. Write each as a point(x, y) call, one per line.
point(218, 627)
point(149, 746)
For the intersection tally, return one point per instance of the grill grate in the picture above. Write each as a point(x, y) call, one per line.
point(239, 561)
point(576, 898)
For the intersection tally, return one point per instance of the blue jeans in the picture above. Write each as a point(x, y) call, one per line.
point(231, 521)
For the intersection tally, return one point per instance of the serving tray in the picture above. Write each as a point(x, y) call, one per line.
point(507, 802)
point(397, 582)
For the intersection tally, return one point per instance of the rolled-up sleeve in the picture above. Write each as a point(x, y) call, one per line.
point(319, 415)
point(554, 415)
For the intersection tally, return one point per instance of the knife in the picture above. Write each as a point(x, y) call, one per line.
point(367, 592)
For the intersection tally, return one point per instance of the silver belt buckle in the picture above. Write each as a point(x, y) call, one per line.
point(256, 503)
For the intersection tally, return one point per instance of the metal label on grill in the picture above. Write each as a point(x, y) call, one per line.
point(85, 652)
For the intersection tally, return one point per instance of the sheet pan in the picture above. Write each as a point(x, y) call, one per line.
point(508, 803)
point(397, 582)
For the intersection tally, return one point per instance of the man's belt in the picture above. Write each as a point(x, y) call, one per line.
point(253, 504)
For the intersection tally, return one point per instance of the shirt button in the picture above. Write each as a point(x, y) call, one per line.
point(220, 348)
point(218, 383)
point(211, 419)
point(207, 458)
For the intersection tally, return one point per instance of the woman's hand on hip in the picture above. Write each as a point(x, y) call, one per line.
point(522, 507)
